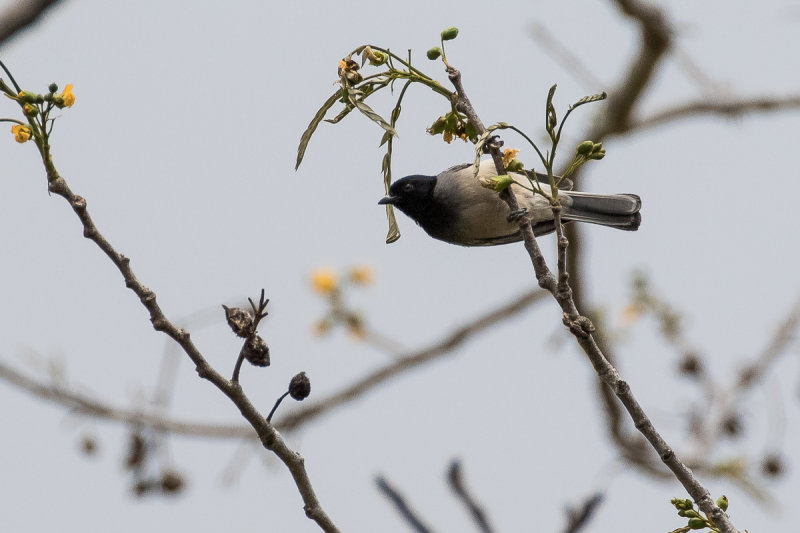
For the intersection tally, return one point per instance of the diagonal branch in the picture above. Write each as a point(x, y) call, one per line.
point(20, 15)
point(580, 326)
point(267, 433)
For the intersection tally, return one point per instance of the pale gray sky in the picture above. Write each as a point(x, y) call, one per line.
point(183, 142)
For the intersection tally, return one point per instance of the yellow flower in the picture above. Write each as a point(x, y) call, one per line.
point(20, 132)
point(361, 275)
point(509, 155)
point(324, 280)
point(69, 98)
point(448, 137)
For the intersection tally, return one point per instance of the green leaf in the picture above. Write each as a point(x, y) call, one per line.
point(344, 112)
point(312, 126)
point(368, 112)
point(589, 99)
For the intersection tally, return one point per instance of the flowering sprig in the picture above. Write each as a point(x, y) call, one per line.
point(37, 109)
point(586, 151)
point(354, 88)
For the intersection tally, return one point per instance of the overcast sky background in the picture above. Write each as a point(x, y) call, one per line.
point(183, 142)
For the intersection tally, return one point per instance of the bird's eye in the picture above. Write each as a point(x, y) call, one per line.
point(408, 187)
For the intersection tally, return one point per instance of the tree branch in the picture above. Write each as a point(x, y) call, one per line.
point(580, 326)
point(20, 15)
point(267, 433)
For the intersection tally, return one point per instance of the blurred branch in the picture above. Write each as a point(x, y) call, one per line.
point(20, 15)
point(578, 518)
point(87, 405)
point(456, 480)
point(401, 505)
point(731, 108)
point(409, 361)
point(565, 58)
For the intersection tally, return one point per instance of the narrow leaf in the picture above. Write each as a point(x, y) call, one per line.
point(344, 112)
point(589, 99)
point(312, 126)
point(369, 113)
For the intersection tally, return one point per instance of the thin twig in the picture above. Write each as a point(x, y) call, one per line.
point(401, 505)
point(454, 476)
point(578, 518)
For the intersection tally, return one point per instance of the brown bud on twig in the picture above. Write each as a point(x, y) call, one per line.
point(240, 321)
point(300, 387)
point(256, 351)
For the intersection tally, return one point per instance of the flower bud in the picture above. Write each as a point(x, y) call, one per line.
point(585, 148)
point(434, 53)
point(27, 97)
point(300, 387)
point(30, 110)
point(239, 320)
point(449, 34)
point(515, 166)
point(697, 523)
point(722, 502)
point(256, 351)
point(53, 88)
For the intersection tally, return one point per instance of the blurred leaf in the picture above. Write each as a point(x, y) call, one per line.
point(312, 126)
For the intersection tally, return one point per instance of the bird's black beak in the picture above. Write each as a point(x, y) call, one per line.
point(388, 200)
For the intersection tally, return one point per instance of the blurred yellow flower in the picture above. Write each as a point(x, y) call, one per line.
point(69, 98)
point(324, 281)
point(631, 314)
point(509, 155)
point(20, 132)
point(361, 275)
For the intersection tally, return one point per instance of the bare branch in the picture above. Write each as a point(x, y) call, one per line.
point(20, 15)
point(656, 37)
point(475, 510)
point(401, 505)
point(564, 57)
point(578, 518)
point(731, 108)
point(407, 362)
point(269, 436)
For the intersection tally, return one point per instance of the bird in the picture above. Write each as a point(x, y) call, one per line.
point(454, 207)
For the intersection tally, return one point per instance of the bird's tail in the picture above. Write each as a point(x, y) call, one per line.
point(620, 211)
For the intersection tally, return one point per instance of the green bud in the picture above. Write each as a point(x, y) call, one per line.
point(449, 34)
point(515, 166)
point(30, 110)
point(434, 53)
point(597, 154)
point(380, 58)
point(598, 147)
point(502, 183)
point(585, 148)
point(722, 502)
point(52, 88)
point(437, 127)
point(27, 97)
point(697, 523)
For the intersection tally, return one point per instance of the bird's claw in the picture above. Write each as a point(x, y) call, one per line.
point(519, 215)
